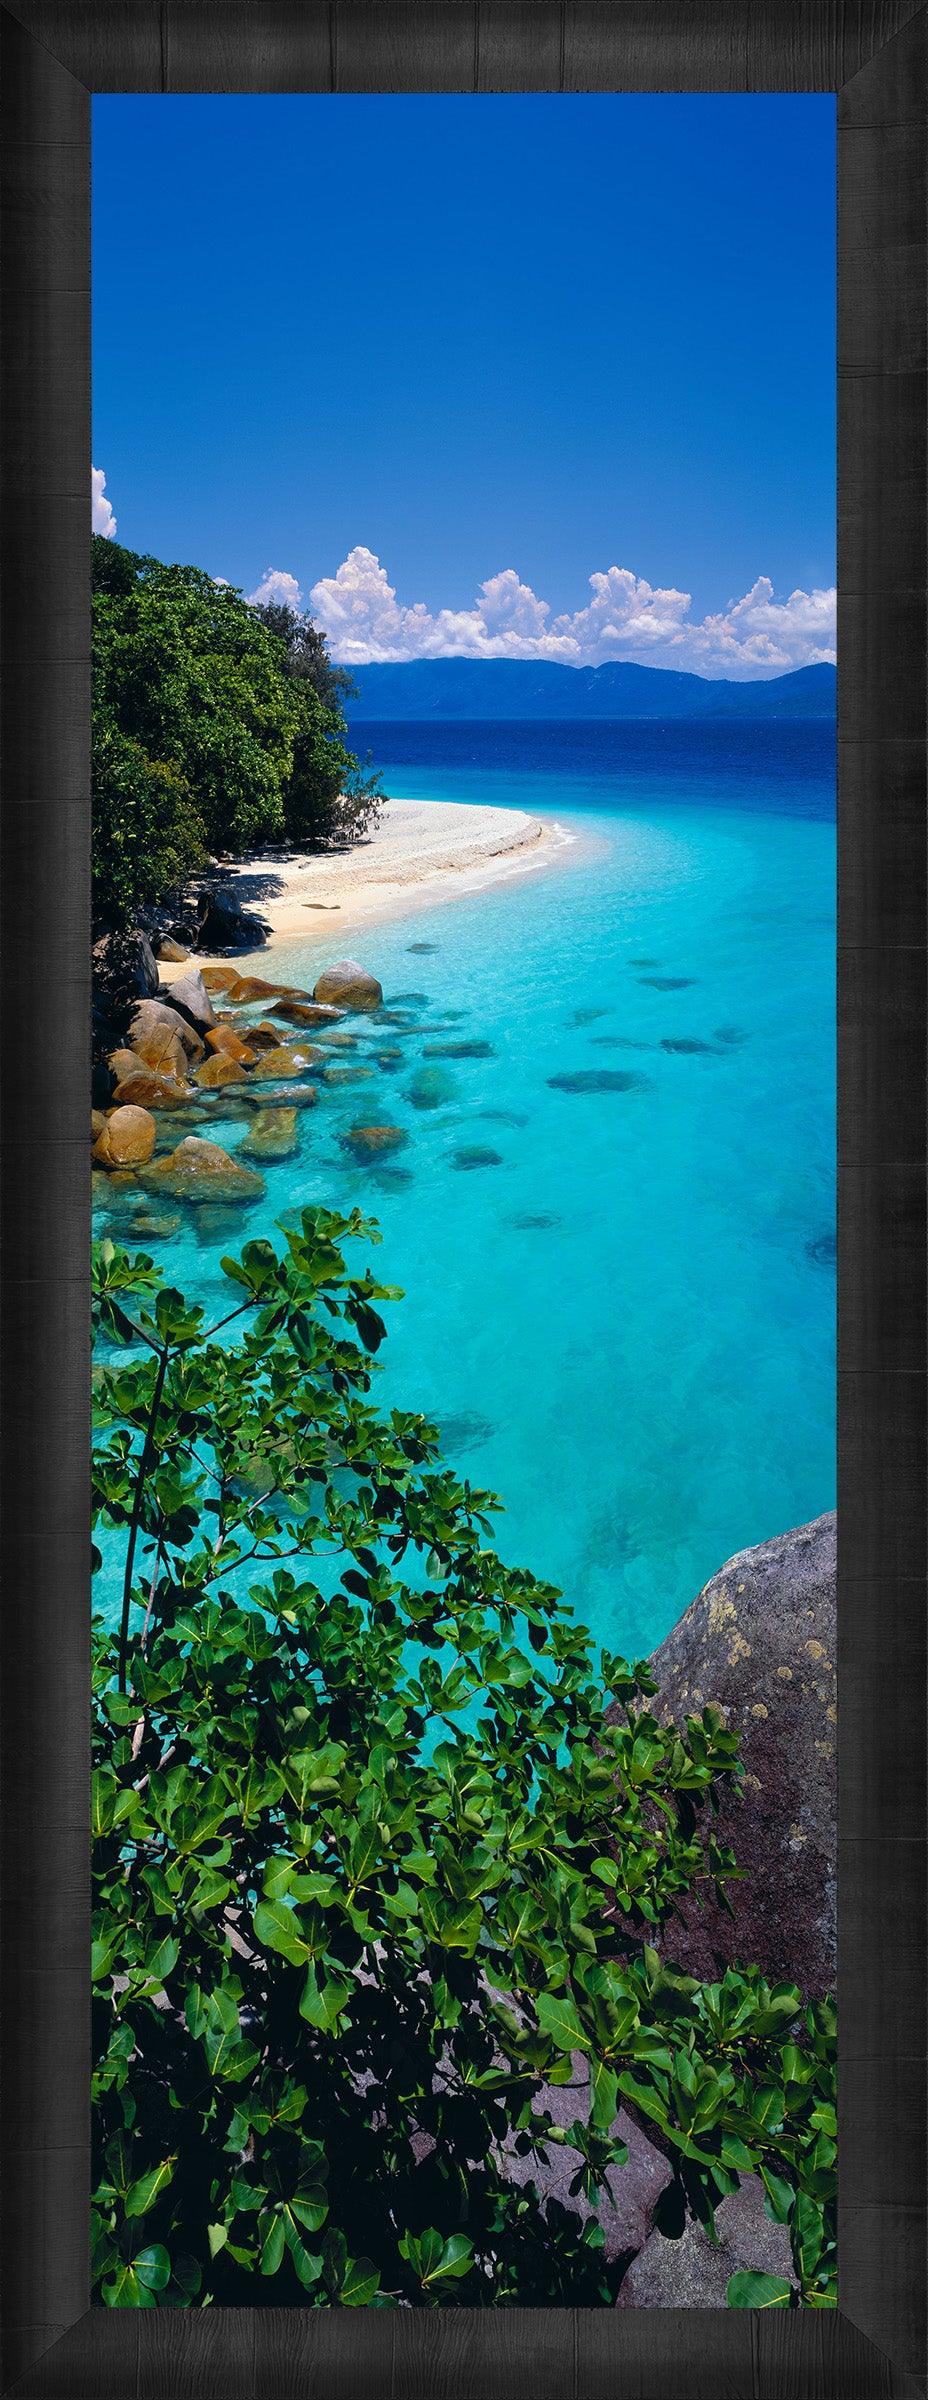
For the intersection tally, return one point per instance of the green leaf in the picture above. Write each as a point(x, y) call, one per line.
point(780, 2195)
point(277, 1928)
point(604, 2096)
point(322, 2005)
point(142, 2195)
point(558, 2018)
point(153, 2267)
point(359, 2283)
point(273, 2244)
point(749, 2289)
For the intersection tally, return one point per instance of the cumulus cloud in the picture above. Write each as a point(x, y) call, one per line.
point(278, 588)
point(101, 514)
point(625, 618)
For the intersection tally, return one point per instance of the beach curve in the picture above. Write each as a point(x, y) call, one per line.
point(420, 853)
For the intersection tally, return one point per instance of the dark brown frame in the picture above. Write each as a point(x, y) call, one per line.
point(53, 53)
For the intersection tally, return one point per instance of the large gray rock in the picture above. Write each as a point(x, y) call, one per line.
point(693, 2272)
point(760, 1641)
point(627, 2213)
point(124, 971)
point(187, 994)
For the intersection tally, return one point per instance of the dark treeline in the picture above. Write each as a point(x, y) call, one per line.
point(217, 727)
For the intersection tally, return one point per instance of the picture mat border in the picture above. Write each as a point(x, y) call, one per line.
point(52, 56)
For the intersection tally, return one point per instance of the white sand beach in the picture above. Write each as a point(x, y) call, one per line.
point(421, 852)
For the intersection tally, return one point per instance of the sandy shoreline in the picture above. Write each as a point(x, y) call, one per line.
point(422, 852)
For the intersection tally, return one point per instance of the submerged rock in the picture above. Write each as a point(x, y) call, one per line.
point(475, 1156)
point(272, 1135)
point(421, 949)
point(432, 1087)
point(688, 1047)
point(600, 1079)
point(349, 986)
point(273, 1095)
point(392, 1179)
point(154, 1225)
point(474, 1049)
point(466, 1432)
point(667, 983)
point(127, 1139)
point(367, 1143)
point(526, 1221)
point(216, 1222)
point(823, 1251)
point(760, 1642)
point(201, 1172)
point(341, 1074)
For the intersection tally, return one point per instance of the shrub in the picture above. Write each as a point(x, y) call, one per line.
point(371, 1872)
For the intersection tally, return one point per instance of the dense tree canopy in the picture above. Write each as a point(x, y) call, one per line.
point(216, 729)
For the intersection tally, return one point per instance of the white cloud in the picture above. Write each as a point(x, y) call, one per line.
point(277, 587)
point(101, 517)
point(625, 617)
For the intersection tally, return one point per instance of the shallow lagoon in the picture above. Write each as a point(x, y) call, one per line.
point(614, 1227)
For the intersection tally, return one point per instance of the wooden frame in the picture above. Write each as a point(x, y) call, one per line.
point(872, 53)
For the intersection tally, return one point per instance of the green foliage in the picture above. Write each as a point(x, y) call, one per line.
point(372, 1874)
point(208, 731)
point(146, 833)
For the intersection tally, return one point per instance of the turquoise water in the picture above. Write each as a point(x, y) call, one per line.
point(625, 1324)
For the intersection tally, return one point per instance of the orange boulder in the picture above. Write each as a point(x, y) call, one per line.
point(349, 986)
point(224, 1038)
point(289, 1058)
point(142, 1088)
point(127, 1139)
point(219, 1070)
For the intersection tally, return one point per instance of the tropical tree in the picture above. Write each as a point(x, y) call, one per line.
point(373, 1876)
point(236, 731)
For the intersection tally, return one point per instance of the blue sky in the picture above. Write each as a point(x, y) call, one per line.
point(440, 361)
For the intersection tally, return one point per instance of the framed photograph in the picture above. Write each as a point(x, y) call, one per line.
point(463, 853)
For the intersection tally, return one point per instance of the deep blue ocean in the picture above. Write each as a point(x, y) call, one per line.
point(623, 1318)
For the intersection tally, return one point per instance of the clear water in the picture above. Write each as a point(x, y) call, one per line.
point(626, 1325)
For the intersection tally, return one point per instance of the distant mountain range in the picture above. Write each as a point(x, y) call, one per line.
point(497, 690)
